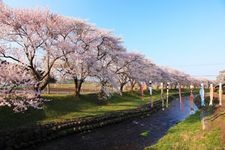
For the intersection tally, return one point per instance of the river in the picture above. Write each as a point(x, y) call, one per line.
point(128, 135)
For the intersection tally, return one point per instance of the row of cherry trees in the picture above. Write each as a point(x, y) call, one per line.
point(221, 77)
point(36, 44)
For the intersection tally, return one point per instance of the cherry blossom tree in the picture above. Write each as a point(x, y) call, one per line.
point(123, 68)
point(107, 55)
point(31, 38)
point(137, 69)
point(96, 54)
point(177, 76)
point(15, 91)
point(221, 77)
point(76, 66)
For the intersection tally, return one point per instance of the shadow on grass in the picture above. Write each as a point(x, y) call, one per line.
point(10, 119)
point(68, 103)
point(57, 107)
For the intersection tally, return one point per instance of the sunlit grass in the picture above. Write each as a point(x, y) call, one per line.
point(189, 135)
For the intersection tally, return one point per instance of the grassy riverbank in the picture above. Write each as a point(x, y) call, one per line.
point(64, 107)
point(189, 134)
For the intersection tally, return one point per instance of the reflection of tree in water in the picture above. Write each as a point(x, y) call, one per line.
point(191, 100)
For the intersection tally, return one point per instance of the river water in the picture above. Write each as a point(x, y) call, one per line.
point(128, 135)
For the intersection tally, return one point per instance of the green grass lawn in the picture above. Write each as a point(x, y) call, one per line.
point(188, 135)
point(64, 107)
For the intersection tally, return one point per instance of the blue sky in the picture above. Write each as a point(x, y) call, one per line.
point(185, 34)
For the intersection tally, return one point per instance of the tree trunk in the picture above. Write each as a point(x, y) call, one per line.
point(37, 90)
point(44, 82)
point(157, 86)
point(121, 87)
point(78, 85)
point(132, 86)
point(103, 94)
point(48, 89)
point(40, 85)
point(174, 86)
